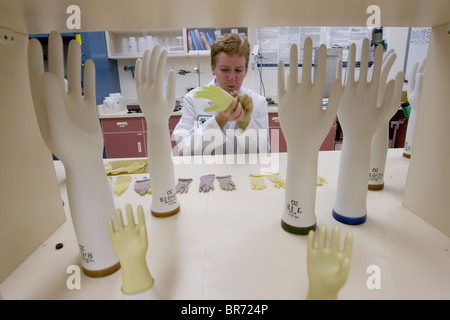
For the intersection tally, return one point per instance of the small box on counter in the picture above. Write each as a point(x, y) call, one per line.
point(134, 107)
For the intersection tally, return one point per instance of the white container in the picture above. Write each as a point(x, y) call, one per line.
point(132, 45)
point(149, 43)
point(109, 105)
point(114, 103)
point(141, 44)
point(124, 45)
point(119, 100)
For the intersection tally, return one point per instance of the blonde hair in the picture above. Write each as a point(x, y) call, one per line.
point(230, 43)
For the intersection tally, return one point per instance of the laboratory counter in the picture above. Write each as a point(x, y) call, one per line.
point(230, 245)
point(126, 114)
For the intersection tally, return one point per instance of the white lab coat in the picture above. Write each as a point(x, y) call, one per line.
point(197, 132)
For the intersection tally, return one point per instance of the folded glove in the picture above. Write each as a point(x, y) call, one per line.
point(183, 185)
point(125, 166)
point(247, 103)
point(121, 185)
point(275, 179)
point(226, 183)
point(257, 181)
point(206, 183)
point(217, 95)
point(142, 186)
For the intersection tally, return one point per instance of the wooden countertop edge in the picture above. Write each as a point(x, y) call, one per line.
point(125, 114)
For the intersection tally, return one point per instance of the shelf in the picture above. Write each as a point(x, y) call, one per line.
point(175, 41)
point(126, 56)
point(200, 39)
point(117, 42)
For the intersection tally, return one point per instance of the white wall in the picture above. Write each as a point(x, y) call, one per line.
point(189, 80)
point(396, 39)
point(427, 188)
point(30, 203)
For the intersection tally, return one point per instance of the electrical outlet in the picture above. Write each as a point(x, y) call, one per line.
point(6, 36)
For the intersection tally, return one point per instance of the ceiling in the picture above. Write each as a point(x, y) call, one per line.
point(32, 16)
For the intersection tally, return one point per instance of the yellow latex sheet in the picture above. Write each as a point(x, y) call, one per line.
point(131, 166)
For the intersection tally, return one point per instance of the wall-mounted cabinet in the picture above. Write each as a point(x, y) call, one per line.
point(178, 42)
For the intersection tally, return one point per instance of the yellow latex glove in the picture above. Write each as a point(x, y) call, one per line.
point(320, 181)
point(120, 166)
point(121, 185)
point(257, 181)
point(247, 103)
point(275, 179)
point(328, 267)
point(217, 95)
point(108, 167)
point(130, 245)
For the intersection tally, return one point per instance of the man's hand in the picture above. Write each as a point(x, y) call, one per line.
point(234, 112)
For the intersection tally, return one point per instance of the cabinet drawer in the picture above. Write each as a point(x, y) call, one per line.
point(173, 121)
point(125, 145)
point(122, 125)
point(274, 120)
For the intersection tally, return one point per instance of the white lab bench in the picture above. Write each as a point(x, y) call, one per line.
point(230, 245)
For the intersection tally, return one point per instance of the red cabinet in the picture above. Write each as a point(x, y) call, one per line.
point(127, 137)
point(328, 142)
point(119, 125)
point(124, 137)
point(277, 141)
point(173, 121)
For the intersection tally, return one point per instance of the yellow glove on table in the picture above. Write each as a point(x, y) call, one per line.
point(121, 185)
point(125, 166)
point(216, 94)
point(328, 267)
point(257, 181)
point(275, 179)
point(130, 244)
point(247, 103)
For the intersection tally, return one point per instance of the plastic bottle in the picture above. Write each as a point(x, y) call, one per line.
point(141, 44)
point(149, 43)
point(132, 45)
point(124, 45)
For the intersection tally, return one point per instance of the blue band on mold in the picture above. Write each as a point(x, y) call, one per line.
point(347, 220)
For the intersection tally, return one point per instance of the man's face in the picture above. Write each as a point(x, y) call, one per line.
point(230, 71)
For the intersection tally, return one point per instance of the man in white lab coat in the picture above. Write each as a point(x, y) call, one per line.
point(229, 131)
